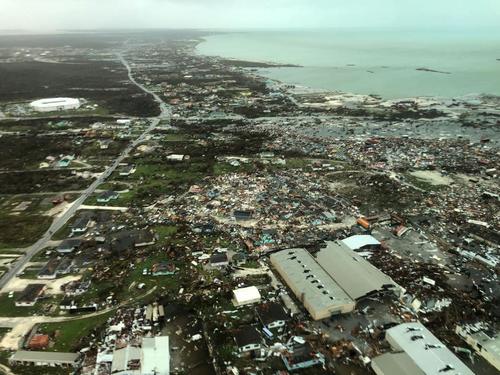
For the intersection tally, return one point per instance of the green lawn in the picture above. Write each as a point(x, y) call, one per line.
point(68, 334)
point(113, 185)
point(161, 282)
point(225, 168)
point(164, 232)
point(123, 200)
point(31, 272)
point(187, 171)
point(62, 233)
point(47, 306)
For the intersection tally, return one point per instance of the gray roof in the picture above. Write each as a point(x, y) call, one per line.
point(122, 357)
point(395, 363)
point(310, 283)
point(53, 357)
point(425, 349)
point(352, 272)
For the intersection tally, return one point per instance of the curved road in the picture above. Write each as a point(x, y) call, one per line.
point(60, 221)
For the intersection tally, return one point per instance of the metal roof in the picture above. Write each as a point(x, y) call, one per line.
point(395, 363)
point(155, 356)
point(122, 357)
point(49, 357)
point(425, 349)
point(352, 272)
point(359, 241)
point(247, 294)
point(310, 283)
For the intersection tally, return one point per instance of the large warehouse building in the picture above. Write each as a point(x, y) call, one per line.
point(417, 352)
point(333, 281)
point(320, 294)
point(358, 277)
point(55, 104)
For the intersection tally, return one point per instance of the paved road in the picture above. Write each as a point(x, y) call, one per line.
point(60, 221)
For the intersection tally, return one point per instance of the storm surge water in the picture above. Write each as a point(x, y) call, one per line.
point(389, 63)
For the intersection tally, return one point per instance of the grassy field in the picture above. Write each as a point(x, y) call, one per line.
point(31, 272)
point(164, 232)
point(21, 230)
point(163, 283)
point(113, 185)
point(153, 179)
point(225, 168)
point(37, 204)
point(48, 306)
point(123, 200)
point(62, 233)
point(68, 334)
point(422, 184)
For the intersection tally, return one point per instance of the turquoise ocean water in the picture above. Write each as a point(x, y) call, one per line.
point(382, 62)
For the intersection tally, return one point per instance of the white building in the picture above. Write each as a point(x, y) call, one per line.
point(124, 121)
point(246, 296)
point(55, 104)
point(177, 157)
point(155, 356)
point(360, 241)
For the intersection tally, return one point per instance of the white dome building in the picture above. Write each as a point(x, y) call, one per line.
point(55, 104)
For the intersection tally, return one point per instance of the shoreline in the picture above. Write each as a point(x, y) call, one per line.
point(260, 64)
point(254, 67)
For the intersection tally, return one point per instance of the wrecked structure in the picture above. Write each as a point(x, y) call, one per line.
point(484, 341)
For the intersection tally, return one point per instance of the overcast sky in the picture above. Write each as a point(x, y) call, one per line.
point(88, 14)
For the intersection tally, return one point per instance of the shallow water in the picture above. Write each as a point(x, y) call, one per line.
point(382, 62)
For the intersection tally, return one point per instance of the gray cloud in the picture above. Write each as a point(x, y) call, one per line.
point(84, 14)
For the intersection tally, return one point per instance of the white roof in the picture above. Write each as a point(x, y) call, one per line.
point(425, 349)
point(155, 356)
point(361, 240)
point(50, 102)
point(175, 157)
point(250, 293)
